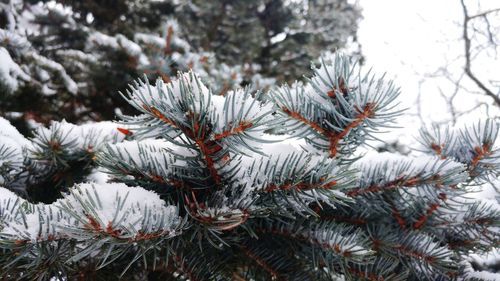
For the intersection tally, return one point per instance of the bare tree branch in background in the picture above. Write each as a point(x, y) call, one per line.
point(465, 81)
point(467, 44)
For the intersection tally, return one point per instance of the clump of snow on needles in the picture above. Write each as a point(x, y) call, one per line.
point(10, 72)
point(128, 209)
point(12, 144)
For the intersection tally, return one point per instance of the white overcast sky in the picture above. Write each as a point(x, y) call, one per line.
point(408, 38)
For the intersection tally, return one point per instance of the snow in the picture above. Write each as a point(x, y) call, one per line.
point(461, 142)
point(117, 204)
point(187, 89)
point(176, 40)
point(237, 108)
point(7, 196)
point(150, 39)
point(10, 72)
point(282, 145)
point(117, 42)
point(12, 144)
point(129, 46)
point(348, 242)
point(483, 275)
point(153, 157)
point(98, 177)
point(489, 259)
point(56, 67)
point(160, 41)
point(13, 40)
point(9, 201)
point(101, 39)
point(387, 166)
point(81, 137)
point(128, 209)
point(9, 131)
point(78, 55)
point(152, 152)
point(134, 151)
point(331, 68)
point(364, 87)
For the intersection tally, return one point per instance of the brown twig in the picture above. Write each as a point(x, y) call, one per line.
point(467, 46)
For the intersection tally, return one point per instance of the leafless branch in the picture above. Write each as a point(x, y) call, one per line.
point(467, 45)
point(483, 13)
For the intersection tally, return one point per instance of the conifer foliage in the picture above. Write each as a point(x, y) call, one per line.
point(248, 186)
point(63, 55)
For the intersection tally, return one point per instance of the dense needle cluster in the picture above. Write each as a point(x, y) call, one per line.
point(246, 186)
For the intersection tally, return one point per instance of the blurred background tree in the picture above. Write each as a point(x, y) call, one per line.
point(66, 55)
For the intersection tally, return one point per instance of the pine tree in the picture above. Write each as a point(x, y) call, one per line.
point(64, 55)
point(246, 187)
point(57, 58)
point(281, 37)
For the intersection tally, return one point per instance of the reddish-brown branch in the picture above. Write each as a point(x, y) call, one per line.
point(113, 232)
point(95, 227)
point(144, 236)
point(366, 113)
point(480, 152)
point(237, 277)
point(156, 178)
point(432, 208)
point(93, 224)
point(398, 182)
point(178, 184)
point(397, 216)
point(350, 220)
point(303, 237)
point(415, 254)
point(207, 155)
point(221, 224)
point(49, 238)
point(423, 218)
point(229, 222)
point(376, 244)
point(244, 125)
point(168, 41)
point(159, 115)
point(225, 88)
point(342, 89)
point(299, 186)
point(262, 263)
point(396, 213)
point(438, 149)
point(124, 131)
point(334, 138)
point(366, 275)
point(181, 265)
point(21, 242)
point(54, 145)
point(206, 147)
point(480, 221)
point(462, 243)
point(299, 117)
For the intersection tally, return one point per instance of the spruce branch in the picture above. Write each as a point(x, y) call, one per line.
point(248, 188)
point(337, 102)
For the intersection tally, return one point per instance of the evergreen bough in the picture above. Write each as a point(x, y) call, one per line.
point(63, 55)
point(246, 187)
